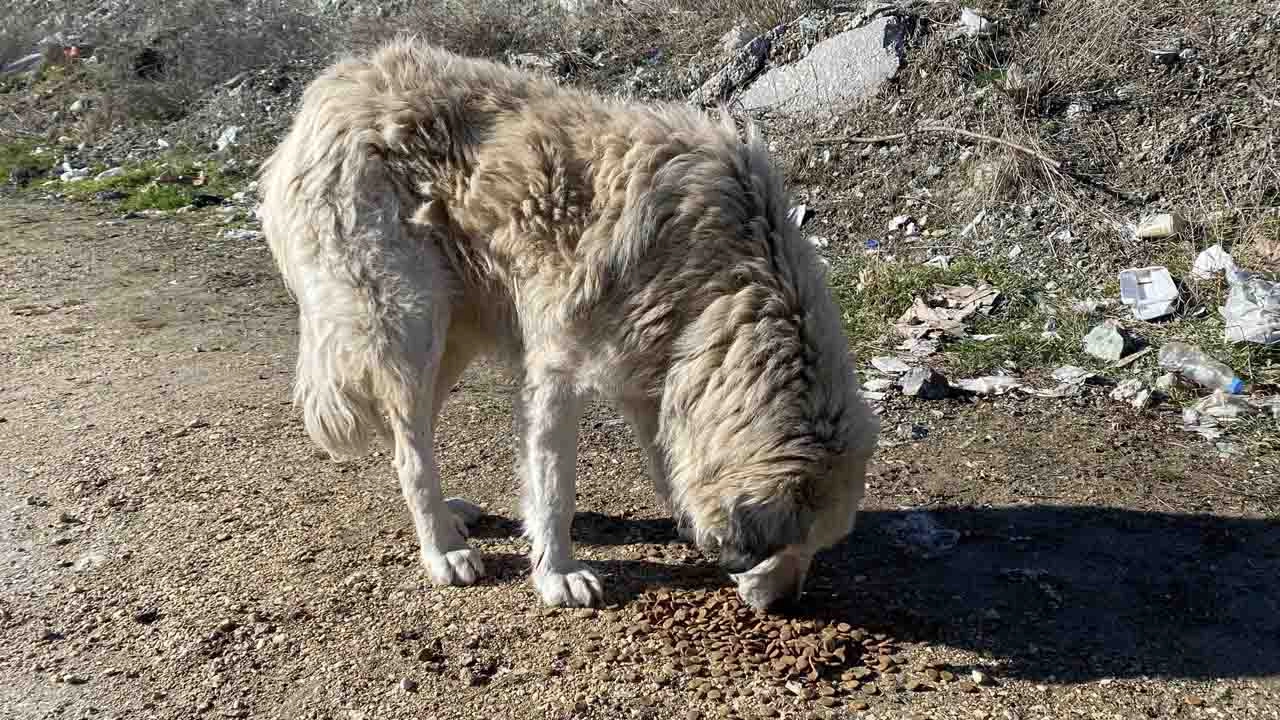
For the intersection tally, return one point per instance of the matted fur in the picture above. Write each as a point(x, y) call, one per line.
point(427, 208)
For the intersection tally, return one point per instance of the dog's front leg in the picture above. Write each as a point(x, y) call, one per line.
point(548, 414)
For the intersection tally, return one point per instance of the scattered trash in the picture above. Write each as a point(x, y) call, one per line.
point(1194, 364)
point(1133, 392)
point(230, 135)
point(1133, 357)
point(974, 25)
point(1161, 226)
point(1252, 312)
point(890, 365)
point(1150, 291)
point(1203, 425)
point(1076, 109)
point(925, 383)
point(918, 534)
point(819, 242)
point(109, 173)
point(911, 431)
point(1224, 407)
point(1073, 375)
point(1211, 261)
point(877, 384)
point(1107, 341)
point(873, 244)
point(73, 174)
point(1071, 381)
point(946, 311)
point(242, 234)
point(989, 385)
point(977, 220)
point(1014, 252)
point(798, 214)
point(1166, 382)
point(942, 262)
point(899, 222)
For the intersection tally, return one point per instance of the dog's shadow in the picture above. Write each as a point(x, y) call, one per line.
point(590, 528)
point(1067, 593)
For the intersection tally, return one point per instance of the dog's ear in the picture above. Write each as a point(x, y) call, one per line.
point(757, 530)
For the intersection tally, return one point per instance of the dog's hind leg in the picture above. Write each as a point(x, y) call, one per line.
point(412, 411)
point(548, 410)
point(642, 416)
point(457, 355)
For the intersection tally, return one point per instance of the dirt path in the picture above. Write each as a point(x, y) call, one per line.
point(171, 545)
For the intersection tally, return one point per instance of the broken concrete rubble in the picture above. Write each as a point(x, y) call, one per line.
point(837, 72)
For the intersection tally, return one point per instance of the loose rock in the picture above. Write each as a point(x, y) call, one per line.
point(925, 383)
point(1107, 341)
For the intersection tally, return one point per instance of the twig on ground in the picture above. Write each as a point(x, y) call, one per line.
point(1263, 97)
point(1055, 165)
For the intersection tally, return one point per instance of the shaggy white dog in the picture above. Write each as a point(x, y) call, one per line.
point(427, 208)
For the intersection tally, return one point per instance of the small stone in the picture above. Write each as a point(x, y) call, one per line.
point(1194, 700)
point(1107, 342)
point(409, 685)
point(146, 616)
point(827, 701)
point(979, 678)
point(966, 686)
point(925, 383)
point(859, 706)
point(74, 679)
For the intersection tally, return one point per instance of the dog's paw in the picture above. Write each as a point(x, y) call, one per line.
point(576, 587)
point(465, 514)
point(454, 567)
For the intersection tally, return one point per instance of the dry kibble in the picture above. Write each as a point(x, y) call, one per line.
point(714, 635)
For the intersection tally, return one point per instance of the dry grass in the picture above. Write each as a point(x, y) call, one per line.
point(201, 43)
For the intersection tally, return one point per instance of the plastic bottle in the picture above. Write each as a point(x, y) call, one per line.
point(1192, 363)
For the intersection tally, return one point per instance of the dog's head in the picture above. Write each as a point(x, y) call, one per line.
point(765, 436)
point(767, 519)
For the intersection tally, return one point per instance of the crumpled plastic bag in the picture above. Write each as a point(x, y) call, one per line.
point(1252, 312)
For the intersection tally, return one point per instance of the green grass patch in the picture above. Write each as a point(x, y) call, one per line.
point(874, 293)
point(163, 185)
point(20, 163)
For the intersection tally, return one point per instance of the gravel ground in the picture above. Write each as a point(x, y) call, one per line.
point(171, 545)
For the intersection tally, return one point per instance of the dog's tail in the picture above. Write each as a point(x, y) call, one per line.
point(331, 215)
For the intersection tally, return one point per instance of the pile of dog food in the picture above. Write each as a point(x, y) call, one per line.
point(715, 634)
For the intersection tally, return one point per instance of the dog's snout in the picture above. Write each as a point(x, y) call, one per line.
point(740, 560)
